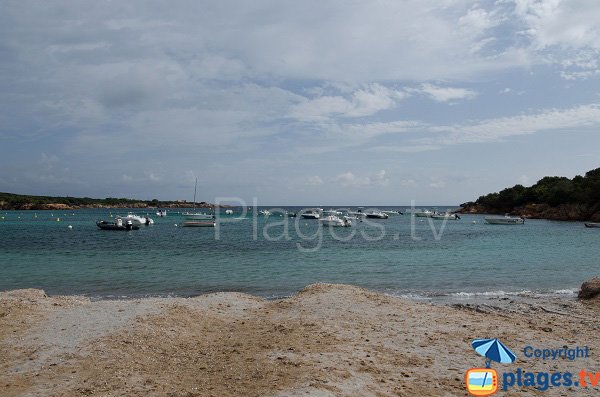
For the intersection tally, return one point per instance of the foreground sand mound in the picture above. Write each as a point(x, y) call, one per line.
point(327, 340)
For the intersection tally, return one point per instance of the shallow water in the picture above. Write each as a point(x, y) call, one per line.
point(471, 257)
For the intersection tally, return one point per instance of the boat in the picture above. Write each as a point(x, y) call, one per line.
point(198, 224)
point(117, 225)
point(228, 212)
point(423, 214)
point(392, 212)
point(332, 212)
point(161, 213)
point(136, 219)
point(506, 220)
point(312, 213)
point(376, 215)
point(335, 221)
point(444, 216)
point(592, 224)
point(264, 212)
point(197, 216)
point(290, 214)
point(357, 214)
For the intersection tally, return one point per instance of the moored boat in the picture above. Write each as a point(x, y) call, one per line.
point(137, 219)
point(376, 215)
point(447, 215)
point(161, 213)
point(506, 220)
point(423, 214)
point(592, 224)
point(335, 221)
point(312, 213)
point(117, 225)
point(198, 224)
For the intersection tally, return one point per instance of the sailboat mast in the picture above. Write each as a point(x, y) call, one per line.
point(195, 187)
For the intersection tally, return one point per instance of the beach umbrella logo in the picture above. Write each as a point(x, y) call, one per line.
point(484, 381)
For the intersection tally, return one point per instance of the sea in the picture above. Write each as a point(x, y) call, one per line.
point(65, 253)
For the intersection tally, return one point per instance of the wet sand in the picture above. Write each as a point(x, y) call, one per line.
point(327, 340)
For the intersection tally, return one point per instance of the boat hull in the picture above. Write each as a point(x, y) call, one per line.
point(198, 224)
point(113, 226)
point(505, 221)
point(592, 224)
point(198, 216)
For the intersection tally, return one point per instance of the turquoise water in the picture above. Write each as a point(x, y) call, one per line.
point(540, 256)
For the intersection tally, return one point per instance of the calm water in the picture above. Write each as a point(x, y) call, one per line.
point(541, 256)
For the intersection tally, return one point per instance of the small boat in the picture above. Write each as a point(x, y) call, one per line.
point(447, 215)
point(161, 213)
point(264, 212)
point(506, 220)
point(377, 215)
point(197, 215)
point(424, 214)
point(290, 214)
point(312, 213)
point(357, 214)
point(198, 224)
point(228, 212)
point(392, 212)
point(332, 212)
point(137, 220)
point(335, 221)
point(117, 225)
point(592, 224)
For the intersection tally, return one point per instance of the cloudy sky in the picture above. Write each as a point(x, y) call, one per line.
point(297, 102)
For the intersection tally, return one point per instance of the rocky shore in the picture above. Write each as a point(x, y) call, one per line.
point(4, 206)
point(564, 212)
point(327, 340)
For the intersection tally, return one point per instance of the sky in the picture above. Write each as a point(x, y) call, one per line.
point(297, 102)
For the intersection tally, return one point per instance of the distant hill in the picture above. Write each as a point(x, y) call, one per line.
point(10, 201)
point(552, 197)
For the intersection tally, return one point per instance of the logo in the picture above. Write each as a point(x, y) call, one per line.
point(484, 381)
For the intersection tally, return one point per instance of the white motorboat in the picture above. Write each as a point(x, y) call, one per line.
point(423, 214)
point(447, 216)
point(136, 219)
point(335, 221)
point(264, 212)
point(392, 212)
point(357, 214)
point(228, 212)
point(161, 213)
point(198, 224)
point(505, 220)
point(312, 213)
point(332, 212)
point(376, 215)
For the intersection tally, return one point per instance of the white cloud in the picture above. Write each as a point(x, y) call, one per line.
point(362, 102)
point(498, 128)
point(445, 94)
point(315, 180)
point(348, 179)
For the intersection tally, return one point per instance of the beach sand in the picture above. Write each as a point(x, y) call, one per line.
point(327, 340)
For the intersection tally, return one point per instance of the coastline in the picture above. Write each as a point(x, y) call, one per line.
point(326, 340)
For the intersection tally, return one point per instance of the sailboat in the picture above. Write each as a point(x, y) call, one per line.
point(198, 219)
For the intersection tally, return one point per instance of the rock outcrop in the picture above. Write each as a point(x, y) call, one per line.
point(590, 289)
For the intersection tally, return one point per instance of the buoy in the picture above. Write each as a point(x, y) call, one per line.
point(57, 219)
point(70, 227)
point(474, 222)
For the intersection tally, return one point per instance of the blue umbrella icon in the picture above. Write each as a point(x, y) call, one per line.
point(493, 350)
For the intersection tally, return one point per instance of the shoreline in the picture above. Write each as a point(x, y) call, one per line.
point(325, 340)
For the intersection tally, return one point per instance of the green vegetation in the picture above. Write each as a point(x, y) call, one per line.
point(10, 200)
point(552, 191)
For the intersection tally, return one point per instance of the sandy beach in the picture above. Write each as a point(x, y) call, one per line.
point(327, 340)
